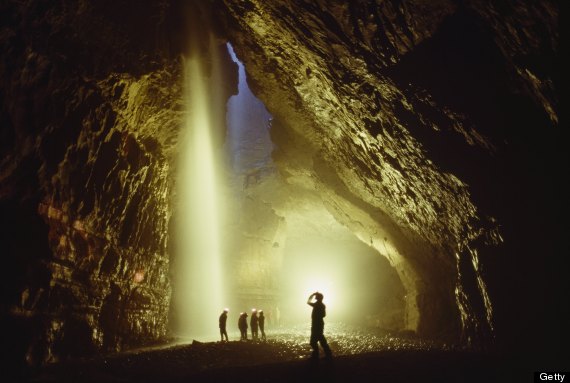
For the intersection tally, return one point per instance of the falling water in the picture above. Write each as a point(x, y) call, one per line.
point(199, 274)
point(203, 186)
point(248, 142)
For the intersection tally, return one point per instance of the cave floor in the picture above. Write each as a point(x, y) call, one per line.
point(283, 357)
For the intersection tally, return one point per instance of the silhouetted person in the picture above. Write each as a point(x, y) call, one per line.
point(254, 323)
point(223, 320)
point(318, 325)
point(262, 324)
point(242, 325)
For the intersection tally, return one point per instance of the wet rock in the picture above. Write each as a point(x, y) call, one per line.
point(91, 109)
point(381, 113)
point(403, 119)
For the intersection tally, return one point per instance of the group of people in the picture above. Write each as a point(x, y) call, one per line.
point(257, 323)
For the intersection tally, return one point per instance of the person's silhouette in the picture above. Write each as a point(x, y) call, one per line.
point(261, 320)
point(222, 321)
point(318, 325)
point(254, 324)
point(242, 325)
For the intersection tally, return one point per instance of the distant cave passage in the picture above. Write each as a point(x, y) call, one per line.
point(361, 288)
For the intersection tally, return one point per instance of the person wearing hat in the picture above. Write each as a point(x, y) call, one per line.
point(254, 324)
point(222, 322)
point(318, 326)
point(242, 325)
point(261, 320)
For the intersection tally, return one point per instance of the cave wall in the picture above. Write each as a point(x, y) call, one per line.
point(429, 129)
point(91, 105)
point(418, 122)
point(256, 256)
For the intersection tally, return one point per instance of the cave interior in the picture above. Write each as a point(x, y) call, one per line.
point(404, 158)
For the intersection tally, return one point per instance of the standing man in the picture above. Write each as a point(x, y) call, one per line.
point(254, 323)
point(242, 324)
point(262, 324)
point(222, 321)
point(318, 326)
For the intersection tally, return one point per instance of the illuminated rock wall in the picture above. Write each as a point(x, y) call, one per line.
point(91, 106)
point(256, 259)
point(405, 118)
point(83, 112)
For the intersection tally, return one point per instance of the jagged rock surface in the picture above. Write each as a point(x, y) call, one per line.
point(91, 109)
point(403, 117)
point(395, 113)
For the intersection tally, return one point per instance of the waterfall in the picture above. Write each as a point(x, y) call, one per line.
point(199, 285)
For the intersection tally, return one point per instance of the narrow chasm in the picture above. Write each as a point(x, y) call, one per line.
point(302, 191)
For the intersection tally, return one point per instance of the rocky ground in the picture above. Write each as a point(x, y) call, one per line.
point(359, 356)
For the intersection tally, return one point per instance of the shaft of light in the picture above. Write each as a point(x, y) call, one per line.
point(199, 274)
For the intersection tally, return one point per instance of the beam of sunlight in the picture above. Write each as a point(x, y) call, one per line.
point(199, 274)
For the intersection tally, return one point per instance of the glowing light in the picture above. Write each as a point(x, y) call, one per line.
point(139, 276)
point(323, 285)
point(199, 281)
point(310, 273)
point(340, 267)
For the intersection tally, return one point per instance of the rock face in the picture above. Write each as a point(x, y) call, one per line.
point(91, 109)
point(96, 186)
point(429, 129)
point(407, 119)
